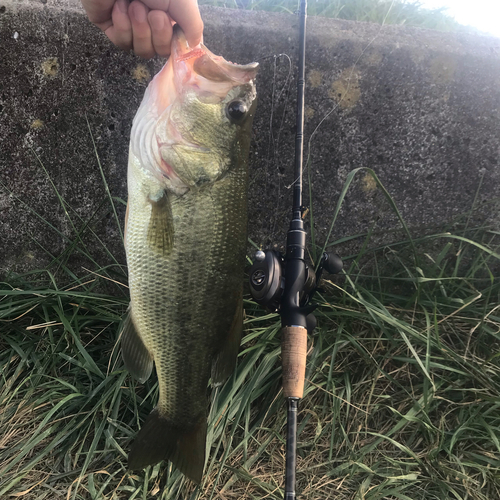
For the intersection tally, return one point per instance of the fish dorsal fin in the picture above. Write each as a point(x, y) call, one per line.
point(159, 440)
point(161, 225)
point(225, 361)
point(138, 360)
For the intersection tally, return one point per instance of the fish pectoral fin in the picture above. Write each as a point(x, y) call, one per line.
point(161, 225)
point(225, 361)
point(160, 440)
point(138, 360)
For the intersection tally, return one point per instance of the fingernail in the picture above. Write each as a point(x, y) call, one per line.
point(139, 13)
point(123, 6)
point(157, 22)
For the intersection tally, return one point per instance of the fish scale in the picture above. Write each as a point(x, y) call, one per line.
point(205, 234)
point(185, 241)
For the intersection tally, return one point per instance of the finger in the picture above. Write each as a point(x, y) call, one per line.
point(161, 29)
point(187, 14)
point(120, 33)
point(184, 12)
point(142, 42)
point(98, 11)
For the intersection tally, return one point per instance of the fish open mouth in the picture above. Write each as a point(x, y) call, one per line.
point(200, 68)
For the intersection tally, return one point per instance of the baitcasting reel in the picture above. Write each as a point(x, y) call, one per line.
point(267, 280)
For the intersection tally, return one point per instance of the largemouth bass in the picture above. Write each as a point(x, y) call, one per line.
point(185, 242)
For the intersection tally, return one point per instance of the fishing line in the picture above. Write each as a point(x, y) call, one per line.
point(274, 162)
point(348, 84)
point(276, 143)
point(286, 86)
point(346, 92)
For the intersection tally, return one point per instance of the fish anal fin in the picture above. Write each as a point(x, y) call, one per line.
point(159, 440)
point(225, 361)
point(161, 225)
point(138, 360)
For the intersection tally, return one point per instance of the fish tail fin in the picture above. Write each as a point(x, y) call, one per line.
point(159, 440)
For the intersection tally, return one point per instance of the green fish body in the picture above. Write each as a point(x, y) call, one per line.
point(185, 243)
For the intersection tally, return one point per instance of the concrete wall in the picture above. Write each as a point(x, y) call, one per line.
point(419, 107)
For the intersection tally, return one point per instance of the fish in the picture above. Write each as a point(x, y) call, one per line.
point(185, 243)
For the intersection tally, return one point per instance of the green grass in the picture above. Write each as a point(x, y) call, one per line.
point(402, 398)
point(408, 12)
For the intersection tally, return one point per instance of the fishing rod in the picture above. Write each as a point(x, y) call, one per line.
point(286, 284)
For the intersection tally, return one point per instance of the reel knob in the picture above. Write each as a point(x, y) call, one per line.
point(266, 279)
point(260, 256)
point(332, 263)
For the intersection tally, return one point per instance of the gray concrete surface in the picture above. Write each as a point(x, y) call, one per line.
point(419, 107)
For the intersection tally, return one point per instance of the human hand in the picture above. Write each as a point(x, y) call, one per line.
point(146, 26)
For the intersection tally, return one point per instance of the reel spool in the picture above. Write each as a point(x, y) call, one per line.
point(266, 279)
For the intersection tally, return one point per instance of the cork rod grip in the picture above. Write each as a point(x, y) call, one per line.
point(293, 354)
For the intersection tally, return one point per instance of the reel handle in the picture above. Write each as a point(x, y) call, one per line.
point(332, 263)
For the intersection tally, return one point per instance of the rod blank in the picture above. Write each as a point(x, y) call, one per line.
point(299, 137)
point(291, 448)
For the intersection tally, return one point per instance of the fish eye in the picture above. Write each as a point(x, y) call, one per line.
point(236, 110)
